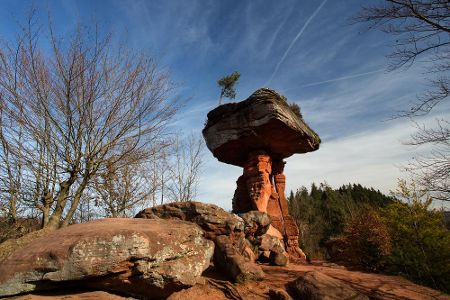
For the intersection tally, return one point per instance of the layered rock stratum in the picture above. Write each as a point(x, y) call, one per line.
point(264, 121)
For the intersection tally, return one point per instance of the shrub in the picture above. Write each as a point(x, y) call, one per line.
point(367, 241)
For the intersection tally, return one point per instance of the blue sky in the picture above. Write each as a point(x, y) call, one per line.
point(304, 49)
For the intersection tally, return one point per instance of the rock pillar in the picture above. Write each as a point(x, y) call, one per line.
point(262, 188)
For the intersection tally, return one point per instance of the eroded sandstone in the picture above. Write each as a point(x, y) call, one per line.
point(133, 256)
point(257, 134)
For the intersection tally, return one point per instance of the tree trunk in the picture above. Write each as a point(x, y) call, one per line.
point(61, 200)
point(12, 214)
point(46, 201)
point(75, 201)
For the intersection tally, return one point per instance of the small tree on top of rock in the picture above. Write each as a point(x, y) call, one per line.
point(227, 85)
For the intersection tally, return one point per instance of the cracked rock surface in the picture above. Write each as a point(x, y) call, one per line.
point(135, 256)
point(263, 121)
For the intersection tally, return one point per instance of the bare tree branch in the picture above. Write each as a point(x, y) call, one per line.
point(79, 109)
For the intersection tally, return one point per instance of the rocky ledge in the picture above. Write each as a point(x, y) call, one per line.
point(133, 256)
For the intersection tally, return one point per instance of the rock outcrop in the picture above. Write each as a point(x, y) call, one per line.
point(233, 263)
point(264, 121)
point(151, 258)
point(212, 219)
point(68, 295)
point(316, 285)
point(240, 240)
point(257, 134)
point(165, 257)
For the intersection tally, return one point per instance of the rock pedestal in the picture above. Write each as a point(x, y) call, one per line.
point(262, 188)
point(257, 134)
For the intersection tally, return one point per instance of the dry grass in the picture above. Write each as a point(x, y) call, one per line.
point(11, 245)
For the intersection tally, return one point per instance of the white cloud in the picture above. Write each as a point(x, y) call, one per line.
point(371, 158)
point(299, 34)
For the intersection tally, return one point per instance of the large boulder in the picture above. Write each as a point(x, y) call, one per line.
point(212, 219)
point(316, 285)
point(256, 223)
point(228, 259)
point(265, 122)
point(138, 257)
point(199, 291)
point(71, 295)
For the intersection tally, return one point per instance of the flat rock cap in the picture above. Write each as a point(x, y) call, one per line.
point(264, 121)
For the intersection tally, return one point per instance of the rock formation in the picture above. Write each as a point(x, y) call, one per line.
point(168, 253)
point(257, 134)
point(212, 219)
point(239, 241)
point(316, 285)
point(134, 256)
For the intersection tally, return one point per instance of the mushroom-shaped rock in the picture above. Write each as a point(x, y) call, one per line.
point(265, 122)
point(257, 134)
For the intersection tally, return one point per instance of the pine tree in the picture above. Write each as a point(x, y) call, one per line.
point(227, 84)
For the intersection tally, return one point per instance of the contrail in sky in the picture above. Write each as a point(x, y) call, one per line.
point(299, 34)
point(340, 78)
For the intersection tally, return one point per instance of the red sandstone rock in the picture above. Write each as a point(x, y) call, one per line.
point(262, 187)
point(257, 171)
point(318, 286)
point(228, 259)
point(265, 122)
point(97, 295)
point(257, 134)
point(199, 291)
point(144, 258)
point(211, 218)
point(256, 223)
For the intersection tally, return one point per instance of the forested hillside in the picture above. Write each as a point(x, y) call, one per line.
point(364, 229)
point(322, 211)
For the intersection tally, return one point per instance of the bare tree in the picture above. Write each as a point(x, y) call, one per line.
point(10, 182)
point(422, 31)
point(432, 171)
point(119, 191)
point(82, 105)
point(185, 168)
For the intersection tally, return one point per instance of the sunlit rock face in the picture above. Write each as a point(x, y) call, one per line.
point(265, 122)
point(138, 257)
point(257, 134)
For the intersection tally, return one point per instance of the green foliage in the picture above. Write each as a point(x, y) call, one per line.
point(361, 227)
point(323, 211)
point(421, 241)
point(227, 84)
